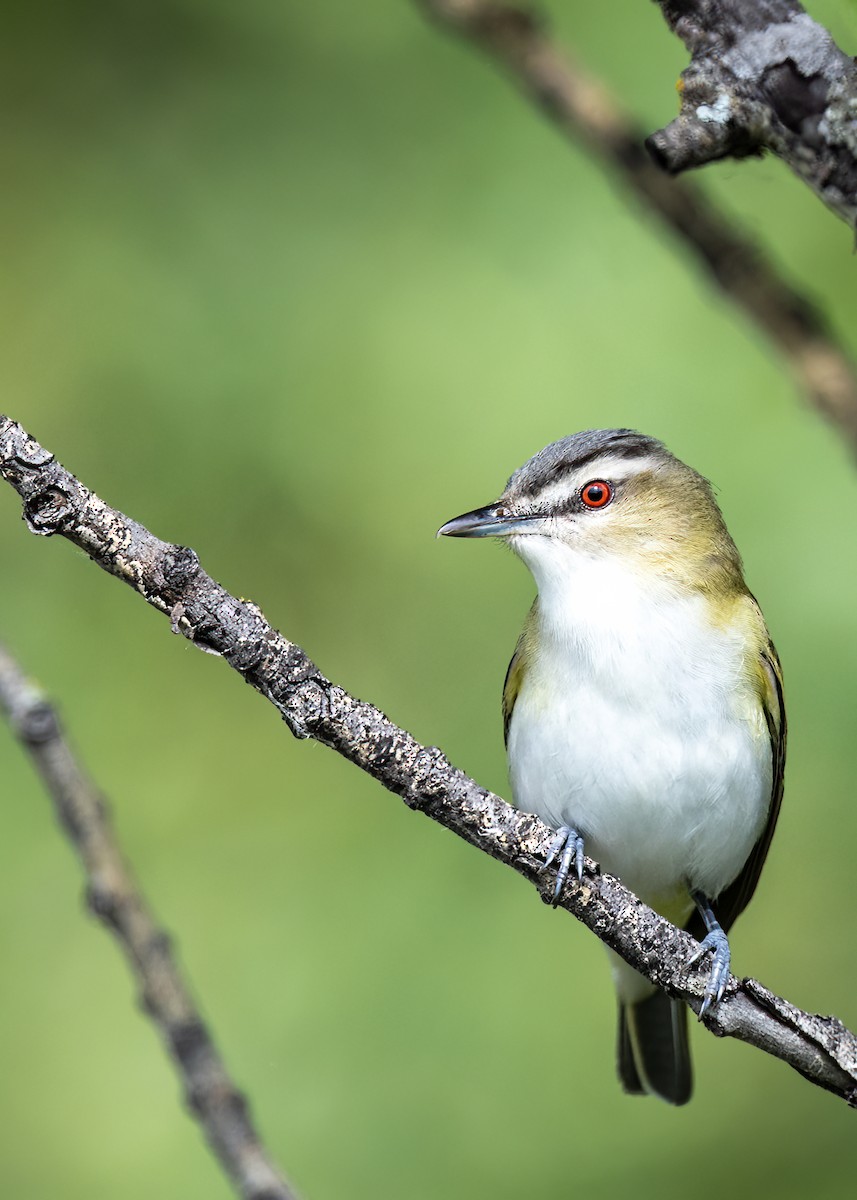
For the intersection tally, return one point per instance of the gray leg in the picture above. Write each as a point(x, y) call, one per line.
point(568, 845)
point(716, 941)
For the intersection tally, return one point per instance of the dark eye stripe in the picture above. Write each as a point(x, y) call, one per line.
point(576, 503)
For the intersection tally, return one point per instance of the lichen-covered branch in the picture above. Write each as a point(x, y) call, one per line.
point(583, 110)
point(764, 76)
point(115, 898)
point(172, 580)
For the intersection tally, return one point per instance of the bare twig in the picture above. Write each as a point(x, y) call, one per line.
point(764, 76)
point(582, 109)
point(171, 579)
point(114, 897)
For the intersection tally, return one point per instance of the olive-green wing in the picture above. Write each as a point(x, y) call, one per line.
point(515, 673)
point(511, 687)
point(736, 897)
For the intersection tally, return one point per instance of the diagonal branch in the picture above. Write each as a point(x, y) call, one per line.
point(582, 109)
point(114, 897)
point(764, 76)
point(171, 579)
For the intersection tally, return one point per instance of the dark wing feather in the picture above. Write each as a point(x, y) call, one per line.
point(732, 902)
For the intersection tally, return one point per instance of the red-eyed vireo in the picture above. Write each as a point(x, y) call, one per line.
point(643, 707)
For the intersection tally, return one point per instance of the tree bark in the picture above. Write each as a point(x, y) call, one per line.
point(764, 76)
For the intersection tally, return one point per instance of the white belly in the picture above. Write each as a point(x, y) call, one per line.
point(637, 725)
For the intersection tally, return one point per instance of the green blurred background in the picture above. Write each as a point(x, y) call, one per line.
point(293, 283)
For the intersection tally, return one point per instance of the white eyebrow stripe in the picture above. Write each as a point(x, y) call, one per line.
point(610, 467)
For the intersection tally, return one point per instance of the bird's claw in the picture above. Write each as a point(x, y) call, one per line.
point(718, 976)
point(568, 847)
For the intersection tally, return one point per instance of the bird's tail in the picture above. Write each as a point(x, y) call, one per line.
point(653, 1055)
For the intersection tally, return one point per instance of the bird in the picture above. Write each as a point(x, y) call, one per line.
point(643, 707)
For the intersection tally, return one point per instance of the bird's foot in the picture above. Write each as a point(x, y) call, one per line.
point(716, 941)
point(568, 847)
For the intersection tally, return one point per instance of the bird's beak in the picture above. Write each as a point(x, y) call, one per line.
point(494, 520)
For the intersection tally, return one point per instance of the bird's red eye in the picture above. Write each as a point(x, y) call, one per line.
point(596, 494)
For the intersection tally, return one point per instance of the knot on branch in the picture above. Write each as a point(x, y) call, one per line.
point(37, 724)
point(179, 566)
point(715, 122)
point(48, 510)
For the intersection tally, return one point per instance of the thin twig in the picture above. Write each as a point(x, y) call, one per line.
point(115, 898)
point(583, 110)
point(171, 579)
point(764, 76)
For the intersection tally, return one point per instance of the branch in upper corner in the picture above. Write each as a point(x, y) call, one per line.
point(764, 76)
point(582, 108)
point(171, 579)
point(113, 896)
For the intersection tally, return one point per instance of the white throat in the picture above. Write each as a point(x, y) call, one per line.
point(600, 607)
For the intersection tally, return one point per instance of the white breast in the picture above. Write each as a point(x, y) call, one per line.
point(637, 725)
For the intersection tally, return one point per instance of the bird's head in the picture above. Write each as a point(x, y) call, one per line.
point(611, 492)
